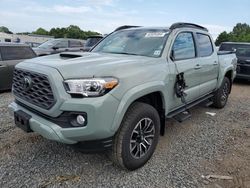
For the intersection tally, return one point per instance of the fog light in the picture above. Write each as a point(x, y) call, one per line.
point(80, 120)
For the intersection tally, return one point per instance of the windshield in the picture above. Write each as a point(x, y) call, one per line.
point(242, 50)
point(48, 44)
point(144, 42)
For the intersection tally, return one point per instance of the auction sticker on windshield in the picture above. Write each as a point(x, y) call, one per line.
point(155, 34)
point(157, 52)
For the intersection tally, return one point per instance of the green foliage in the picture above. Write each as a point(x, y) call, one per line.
point(5, 30)
point(24, 33)
point(72, 31)
point(41, 31)
point(240, 33)
point(223, 37)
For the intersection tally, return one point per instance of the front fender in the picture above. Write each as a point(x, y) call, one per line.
point(132, 95)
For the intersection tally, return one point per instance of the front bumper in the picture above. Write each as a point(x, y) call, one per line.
point(101, 112)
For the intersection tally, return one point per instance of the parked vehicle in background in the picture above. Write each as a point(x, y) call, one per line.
point(55, 46)
point(118, 96)
point(92, 41)
point(33, 44)
point(10, 55)
point(243, 56)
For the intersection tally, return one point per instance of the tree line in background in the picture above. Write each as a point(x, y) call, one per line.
point(240, 33)
point(72, 31)
point(5, 30)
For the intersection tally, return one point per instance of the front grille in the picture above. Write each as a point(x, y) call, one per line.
point(36, 90)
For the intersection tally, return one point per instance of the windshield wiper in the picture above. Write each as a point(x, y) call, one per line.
point(125, 53)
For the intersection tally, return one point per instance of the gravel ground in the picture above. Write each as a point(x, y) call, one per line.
point(201, 146)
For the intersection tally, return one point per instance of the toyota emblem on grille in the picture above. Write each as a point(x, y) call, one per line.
point(27, 83)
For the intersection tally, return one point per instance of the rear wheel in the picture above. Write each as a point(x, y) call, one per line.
point(221, 95)
point(136, 140)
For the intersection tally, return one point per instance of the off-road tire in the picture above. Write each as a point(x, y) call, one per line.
point(221, 95)
point(121, 151)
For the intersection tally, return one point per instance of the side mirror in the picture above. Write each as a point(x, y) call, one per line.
point(55, 48)
point(172, 55)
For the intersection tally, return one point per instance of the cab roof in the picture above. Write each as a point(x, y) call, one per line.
point(172, 27)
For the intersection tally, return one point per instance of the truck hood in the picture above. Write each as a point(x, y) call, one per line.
point(79, 65)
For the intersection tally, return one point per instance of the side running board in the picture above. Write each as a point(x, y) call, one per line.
point(182, 116)
point(183, 112)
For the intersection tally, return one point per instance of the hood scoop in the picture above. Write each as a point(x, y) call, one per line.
point(69, 55)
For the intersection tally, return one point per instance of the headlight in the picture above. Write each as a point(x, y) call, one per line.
point(92, 87)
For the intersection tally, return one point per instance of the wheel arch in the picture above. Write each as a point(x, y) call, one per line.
point(229, 73)
point(150, 93)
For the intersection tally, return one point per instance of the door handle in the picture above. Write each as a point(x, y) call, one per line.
point(197, 67)
point(2, 65)
point(215, 63)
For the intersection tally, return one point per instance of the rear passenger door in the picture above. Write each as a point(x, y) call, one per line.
point(208, 61)
point(185, 60)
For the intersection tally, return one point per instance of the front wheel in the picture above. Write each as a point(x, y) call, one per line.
point(222, 94)
point(136, 140)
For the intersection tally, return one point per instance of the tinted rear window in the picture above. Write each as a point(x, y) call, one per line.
point(242, 50)
point(205, 45)
point(16, 52)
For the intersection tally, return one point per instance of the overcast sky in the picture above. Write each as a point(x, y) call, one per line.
point(105, 15)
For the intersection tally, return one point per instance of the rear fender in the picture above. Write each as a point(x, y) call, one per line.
point(223, 74)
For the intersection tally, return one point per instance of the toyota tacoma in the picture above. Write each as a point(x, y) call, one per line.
point(118, 96)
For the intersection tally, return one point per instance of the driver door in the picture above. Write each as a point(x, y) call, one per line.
point(184, 59)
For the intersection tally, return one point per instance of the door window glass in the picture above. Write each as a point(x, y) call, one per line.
point(75, 44)
point(62, 44)
point(184, 47)
point(205, 45)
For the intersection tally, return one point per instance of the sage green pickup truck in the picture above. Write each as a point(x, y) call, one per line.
point(118, 96)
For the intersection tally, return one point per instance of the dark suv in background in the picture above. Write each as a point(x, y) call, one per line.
point(91, 42)
point(10, 55)
point(55, 46)
point(243, 56)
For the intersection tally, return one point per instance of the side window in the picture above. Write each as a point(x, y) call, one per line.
point(205, 45)
point(183, 47)
point(16, 52)
point(75, 44)
point(7, 40)
point(62, 44)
